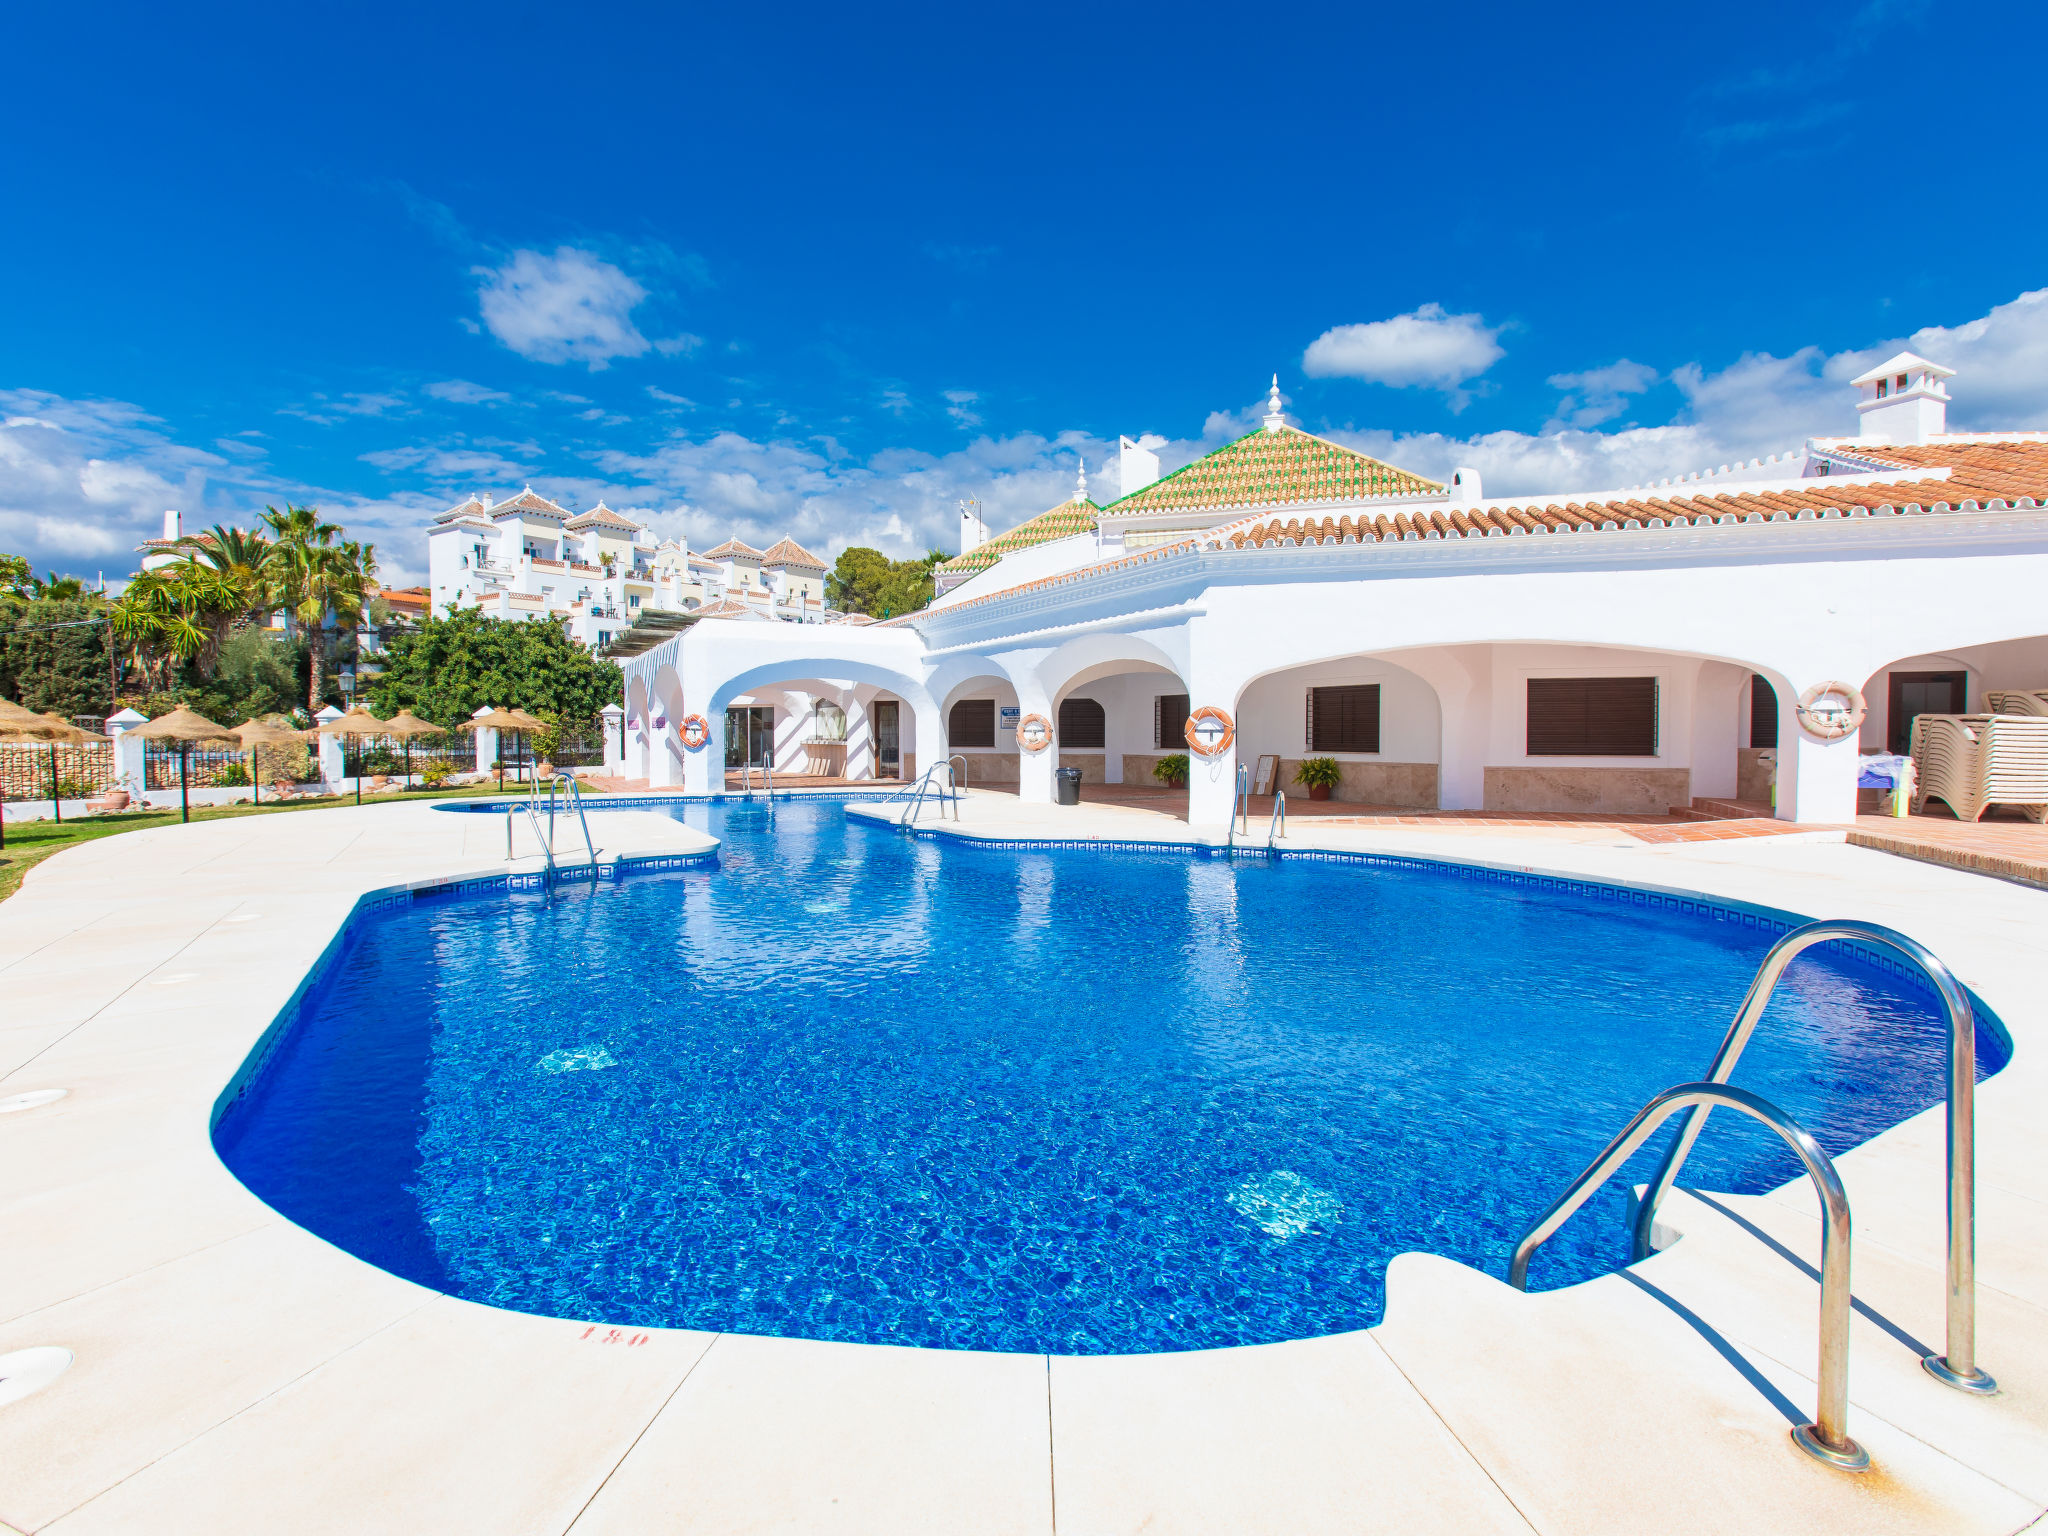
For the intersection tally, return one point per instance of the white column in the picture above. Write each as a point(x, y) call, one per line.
point(131, 767)
point(1463, 679)
point(1215, 681)
point(860, 734)
point(333, 755)
point(486, 743)
point(1816, 779)
point(1034, 769)
point(613, 722)
point(927, 731)
point(702, 771)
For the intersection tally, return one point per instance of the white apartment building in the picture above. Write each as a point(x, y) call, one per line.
point(597, 572)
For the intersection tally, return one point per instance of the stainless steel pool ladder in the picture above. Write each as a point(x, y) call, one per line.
point(1277, 827)
point(1240, 806)
point(1826, 1439)
point(925, 782)
point(1958, 1367)
point(575, 798)
point(533, 819)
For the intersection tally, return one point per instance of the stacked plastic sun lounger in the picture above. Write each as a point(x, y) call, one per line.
point(1974, 761)
point(2030, 701)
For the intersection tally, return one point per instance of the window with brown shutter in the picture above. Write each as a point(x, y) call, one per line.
point(1170, 713)
point(1592, 717)
point(1763, 712)
point(1344, 719)
point(1082, 723)
point(972, 723)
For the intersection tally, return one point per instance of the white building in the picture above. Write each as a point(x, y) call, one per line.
point(597, 572)
point(1617, 650)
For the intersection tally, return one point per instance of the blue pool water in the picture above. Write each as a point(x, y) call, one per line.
point(852, 1085)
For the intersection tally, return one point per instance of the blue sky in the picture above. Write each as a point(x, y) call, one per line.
point(826, 271)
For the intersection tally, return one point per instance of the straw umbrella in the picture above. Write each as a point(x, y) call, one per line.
point(515, 720)
point(354, 725)
point(257, 734)
point(405, 725)
point(184, 726)
point(20, 725)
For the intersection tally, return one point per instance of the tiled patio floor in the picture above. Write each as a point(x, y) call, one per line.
point(2011, 849)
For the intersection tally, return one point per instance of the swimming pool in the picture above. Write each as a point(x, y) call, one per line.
point(853, 1085)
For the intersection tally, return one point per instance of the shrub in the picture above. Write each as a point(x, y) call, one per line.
point(1172, 769)
point(231, 774)
point(434, 775)
point(1319, 772)
point(76, 789)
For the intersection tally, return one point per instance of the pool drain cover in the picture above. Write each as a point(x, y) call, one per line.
point(35, 1100)
point(31, 1370)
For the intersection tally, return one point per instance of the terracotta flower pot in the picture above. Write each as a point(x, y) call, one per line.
point(1319, 791)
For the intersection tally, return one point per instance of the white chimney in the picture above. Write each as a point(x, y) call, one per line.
point(1137, 466)
point(973, 531)
point(1903, 400)
point(1465, 490)
point(172, 520)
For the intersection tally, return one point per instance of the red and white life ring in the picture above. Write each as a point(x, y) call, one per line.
point(1831, 710)
point(696, 731)
point(1209, 732)
point(1034, 733)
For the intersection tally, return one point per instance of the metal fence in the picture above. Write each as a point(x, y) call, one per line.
point(81, 770)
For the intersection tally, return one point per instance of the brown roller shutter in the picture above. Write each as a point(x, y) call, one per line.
point(1344, 719)
point(1592, 717)
point(1082, 723)
point(1763, 712)
point(972, 723)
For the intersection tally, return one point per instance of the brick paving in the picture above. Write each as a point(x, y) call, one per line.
point(2012, 849)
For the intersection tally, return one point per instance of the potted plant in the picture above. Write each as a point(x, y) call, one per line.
point(1320, 774)
point(1172, 770)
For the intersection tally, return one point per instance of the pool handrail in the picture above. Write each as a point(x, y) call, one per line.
point(576, 801)
point(1240, 805)
point(1826, 1439)
point(924, 782)
point(1958, 1366)
point(1277, 826)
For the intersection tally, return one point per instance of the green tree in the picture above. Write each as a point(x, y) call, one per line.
point(446, 669)
point(868, 581)
point(177, 613)
point(256, 673)
point(53, 655)
point(15, 575)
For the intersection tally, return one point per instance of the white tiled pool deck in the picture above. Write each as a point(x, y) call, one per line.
point(235, 1374)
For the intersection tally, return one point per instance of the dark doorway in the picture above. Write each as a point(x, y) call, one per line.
point(888, 747)
point(1921, 693)
point(749, 736)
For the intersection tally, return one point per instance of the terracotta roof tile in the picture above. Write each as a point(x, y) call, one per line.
point(1062, 521)
point(787, 552)
point(735, 549)
point(1267, 468)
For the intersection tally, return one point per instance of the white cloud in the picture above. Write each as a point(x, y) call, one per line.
point(82, 482)
point(959, 403)
point(1600, 394)
point(462, 392)
point(1427, 348)
point(680, 402)
point(571, 307)
point(678, 346)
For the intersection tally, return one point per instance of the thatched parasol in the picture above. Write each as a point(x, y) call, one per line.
point(517, 721)
point(259, 733)
point(184, 726)
point(24, 726)
point(355, 725)
point(405, 725)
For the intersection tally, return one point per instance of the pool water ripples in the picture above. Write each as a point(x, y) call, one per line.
point(852, 1085)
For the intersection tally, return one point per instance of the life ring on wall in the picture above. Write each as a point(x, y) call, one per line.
point(1831, 710)
point(1209, 732)
point(1034, 733)
point(696, 731)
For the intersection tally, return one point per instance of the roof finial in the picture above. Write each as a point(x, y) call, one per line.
point(1275, 419)
point(1081, 481)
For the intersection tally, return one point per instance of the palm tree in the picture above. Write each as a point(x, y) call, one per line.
point(329, 581)
point(248, 557)
point(177, 612)
point(305, 562)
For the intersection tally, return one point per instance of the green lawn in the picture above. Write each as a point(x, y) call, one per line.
point(31, 842)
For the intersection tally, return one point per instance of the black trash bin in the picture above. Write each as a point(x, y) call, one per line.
point(1066, 786)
